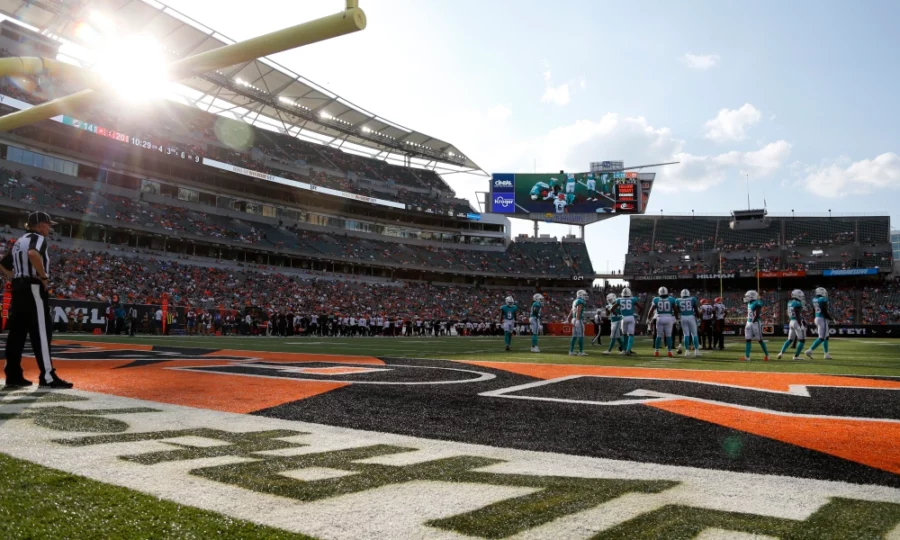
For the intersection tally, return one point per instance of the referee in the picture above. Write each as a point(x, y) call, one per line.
point(28, 265)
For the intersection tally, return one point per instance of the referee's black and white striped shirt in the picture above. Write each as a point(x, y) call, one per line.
point(22, 267)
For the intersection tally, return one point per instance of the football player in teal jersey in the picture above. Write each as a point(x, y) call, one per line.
point(753, 328)
point(535, 320)
point(577, 315)
point(664, 307)
point(626, 304)
point(541, 191)
point(508, 319)
point(796, 327)
point(688, 311)
point(823, 318)
point(615, 325)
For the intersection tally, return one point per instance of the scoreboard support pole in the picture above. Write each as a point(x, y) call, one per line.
point(352, 19)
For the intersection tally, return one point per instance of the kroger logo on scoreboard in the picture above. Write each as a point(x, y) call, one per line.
point(503, 204)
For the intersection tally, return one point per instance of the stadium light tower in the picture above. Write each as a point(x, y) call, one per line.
point(352, 19)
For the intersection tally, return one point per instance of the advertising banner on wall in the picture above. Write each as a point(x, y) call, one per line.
point(850, 272)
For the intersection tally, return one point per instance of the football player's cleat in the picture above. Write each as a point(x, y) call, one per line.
point(808, 354)
point(507, 347)
point(571, 353)
point(605, 352)
point(745, 359)
point(697, 353)
point(796, 358)
point(765, 358)
point(655, 353)
point(582, 353)
point(778, 357)
point(679, 350)
point(827, 357)
point(671, 355)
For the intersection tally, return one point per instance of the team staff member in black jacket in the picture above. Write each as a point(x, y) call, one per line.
point(28, 264)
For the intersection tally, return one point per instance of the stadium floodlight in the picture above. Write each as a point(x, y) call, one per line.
point(352, 19)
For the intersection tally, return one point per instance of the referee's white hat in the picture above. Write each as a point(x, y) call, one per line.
point(36, 218)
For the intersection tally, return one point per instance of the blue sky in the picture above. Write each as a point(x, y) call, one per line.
point(801, 98)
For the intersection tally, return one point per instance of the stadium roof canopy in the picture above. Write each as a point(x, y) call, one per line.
point(261, 92)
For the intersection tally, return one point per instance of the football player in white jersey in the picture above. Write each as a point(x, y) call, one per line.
point(591, 183)
point(560, 204)
point(570, 188)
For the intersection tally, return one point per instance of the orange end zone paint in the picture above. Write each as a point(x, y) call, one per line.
point(156, 382)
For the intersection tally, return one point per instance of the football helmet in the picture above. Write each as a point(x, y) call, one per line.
point(797, 294)
point(510, 301)
point(582, 294)
point(704, 302)
point(751, 296)
point(626, 293)
point(718, 299)
point(562, 197)
point(663, 291)
point(685, 293)
point(611, 297)
point(538, 297)
point(820, 291)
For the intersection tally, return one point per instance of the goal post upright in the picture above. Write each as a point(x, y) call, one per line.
point(352, 19)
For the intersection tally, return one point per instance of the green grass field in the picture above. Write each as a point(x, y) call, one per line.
point(37, 502)
point(852, 356)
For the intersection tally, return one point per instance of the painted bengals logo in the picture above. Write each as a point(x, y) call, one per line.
point(852, 418)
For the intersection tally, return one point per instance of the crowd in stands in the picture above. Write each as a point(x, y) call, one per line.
point(715, 237)
point(85, 275)
point(520, 258)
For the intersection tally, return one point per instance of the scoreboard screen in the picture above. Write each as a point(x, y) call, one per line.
point(628, 199)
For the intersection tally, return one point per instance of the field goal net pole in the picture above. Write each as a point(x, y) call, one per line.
point(352, 19)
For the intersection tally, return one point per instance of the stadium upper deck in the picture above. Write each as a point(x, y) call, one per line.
point(215, 186)
point(793, 246)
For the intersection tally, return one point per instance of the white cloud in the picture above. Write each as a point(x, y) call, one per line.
point(633, 139)
point(732, 124)
point(556, 94)
point(861, 177)
point(560, 94)
point(700, 62)
point(499, 112)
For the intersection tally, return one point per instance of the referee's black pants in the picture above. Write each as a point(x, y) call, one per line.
point(29, 314)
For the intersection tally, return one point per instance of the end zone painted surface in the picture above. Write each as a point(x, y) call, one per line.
point(759, 434)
